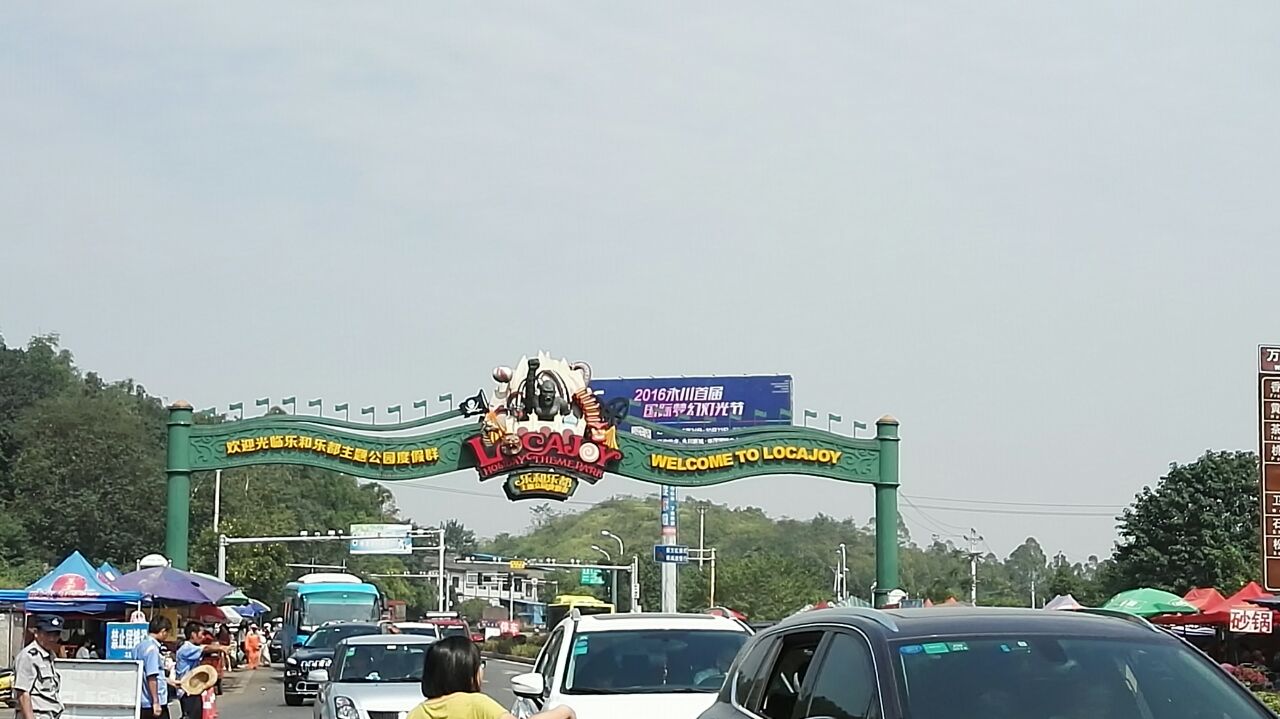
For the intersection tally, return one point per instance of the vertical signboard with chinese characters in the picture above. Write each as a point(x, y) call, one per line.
point(122, 637)
point(1269, 460)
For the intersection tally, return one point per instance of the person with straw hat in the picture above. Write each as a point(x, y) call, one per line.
point(189, 657)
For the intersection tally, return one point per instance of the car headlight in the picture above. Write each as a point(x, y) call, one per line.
point(292, 661)
point(346, 709)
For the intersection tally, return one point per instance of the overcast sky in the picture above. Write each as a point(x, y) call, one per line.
point(1041, 235)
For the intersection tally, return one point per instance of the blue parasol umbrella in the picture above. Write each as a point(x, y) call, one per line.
point(253, 608)
point(174, 585)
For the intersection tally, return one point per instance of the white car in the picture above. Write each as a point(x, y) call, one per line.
point(422, 629)
point(620, 666)
point(375, 676)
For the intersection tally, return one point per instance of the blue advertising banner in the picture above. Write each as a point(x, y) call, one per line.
point(702, 404)
point(122, 637)
point(669, 511)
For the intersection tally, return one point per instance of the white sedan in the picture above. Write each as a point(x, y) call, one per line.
point(372, 676)
point(619, 666)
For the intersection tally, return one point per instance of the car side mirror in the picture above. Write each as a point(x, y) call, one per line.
point(528, 686)
point(318, 676)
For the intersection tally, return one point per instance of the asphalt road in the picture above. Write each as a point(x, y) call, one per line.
point(259, 694)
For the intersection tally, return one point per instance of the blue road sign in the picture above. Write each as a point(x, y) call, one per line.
point(671, 553)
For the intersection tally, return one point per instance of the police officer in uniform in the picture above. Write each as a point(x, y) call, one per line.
point(36, 683)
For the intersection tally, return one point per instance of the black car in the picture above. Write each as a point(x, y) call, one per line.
point(968, 663)
point(317, 653)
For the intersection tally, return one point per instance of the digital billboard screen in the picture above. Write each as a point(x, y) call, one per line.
point(702, 404)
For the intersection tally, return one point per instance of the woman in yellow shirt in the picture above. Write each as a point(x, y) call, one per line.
point(451, 677)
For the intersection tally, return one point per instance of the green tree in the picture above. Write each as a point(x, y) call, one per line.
point(89, 475)
point(1197, 528)
point(458, 539)
point(472, 610)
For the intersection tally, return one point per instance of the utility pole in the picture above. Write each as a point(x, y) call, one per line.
point(670, 575)
point(973, 538)
point(217, 499)
point(702, 531)
point(635, 583)
point(708, 555)
point(1033, 588)
point(842, 574)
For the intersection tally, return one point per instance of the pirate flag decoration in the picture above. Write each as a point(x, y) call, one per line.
point(474, 406)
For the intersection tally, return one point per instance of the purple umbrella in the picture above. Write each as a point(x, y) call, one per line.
point(174, 585)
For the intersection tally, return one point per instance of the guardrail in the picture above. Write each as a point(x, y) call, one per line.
point(508, 658)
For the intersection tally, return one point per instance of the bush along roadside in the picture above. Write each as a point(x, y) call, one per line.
point(1271, 699)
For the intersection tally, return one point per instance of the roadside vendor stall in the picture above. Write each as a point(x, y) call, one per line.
point(79, 593)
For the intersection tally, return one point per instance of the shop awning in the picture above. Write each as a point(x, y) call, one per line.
point(1219, 613)
point(73, 586)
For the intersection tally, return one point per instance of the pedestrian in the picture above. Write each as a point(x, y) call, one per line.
point(452, 673)
point(155, 685)
point(36, 682)
point(253, 646)
point(190, 655)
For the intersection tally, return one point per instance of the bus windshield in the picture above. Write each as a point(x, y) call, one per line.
point(337, 606)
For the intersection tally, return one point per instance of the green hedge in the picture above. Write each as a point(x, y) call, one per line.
point(1271, 699)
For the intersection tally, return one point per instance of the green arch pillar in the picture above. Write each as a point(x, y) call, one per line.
point(178, 497)
point(887, 511)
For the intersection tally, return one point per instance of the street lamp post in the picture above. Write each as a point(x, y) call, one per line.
point(613, 573)
point(622, 553)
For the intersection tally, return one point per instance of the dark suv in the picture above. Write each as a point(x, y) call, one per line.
point(968, 663)
point(317, 653)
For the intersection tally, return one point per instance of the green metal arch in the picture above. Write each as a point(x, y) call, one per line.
point(310, 440)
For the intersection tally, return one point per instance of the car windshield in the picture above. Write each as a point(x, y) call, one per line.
point(420, 631)
point(381, 663)
point(328, 637)
point(1046, 677)
point(454, 630)
point(321, 607)
point(657, 661)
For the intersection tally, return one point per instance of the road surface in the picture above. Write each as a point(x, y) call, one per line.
point(259, 694)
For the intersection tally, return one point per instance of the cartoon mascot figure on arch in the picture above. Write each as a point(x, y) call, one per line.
point(547, 429)
point(545, 417)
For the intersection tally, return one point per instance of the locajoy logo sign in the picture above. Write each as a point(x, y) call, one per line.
point(546, 431)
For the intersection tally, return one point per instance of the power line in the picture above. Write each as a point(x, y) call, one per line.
point(938, 523)
point(1020, 504)
point(979, 510)
point(465, 492)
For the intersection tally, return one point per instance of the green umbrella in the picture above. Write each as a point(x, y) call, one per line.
point(1147, 602)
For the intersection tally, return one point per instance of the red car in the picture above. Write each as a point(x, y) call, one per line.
point(452, 627)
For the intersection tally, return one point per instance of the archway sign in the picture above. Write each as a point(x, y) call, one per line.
point(541, 433)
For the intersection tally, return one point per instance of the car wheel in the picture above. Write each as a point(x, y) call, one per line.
point(293, 700)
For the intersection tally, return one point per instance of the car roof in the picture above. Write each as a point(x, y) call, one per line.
point(640, 620)
point(364, 639)
point(414, 625)
point(330, 625)
point(895, 624)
